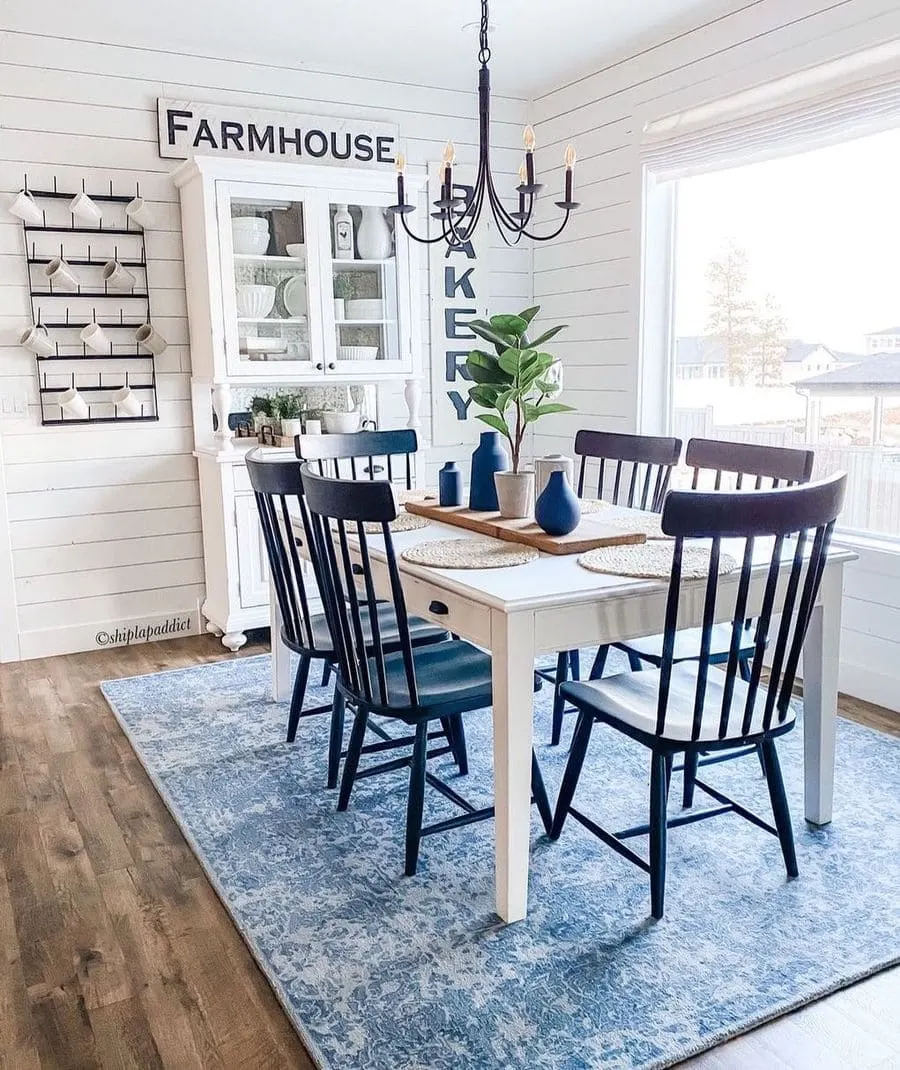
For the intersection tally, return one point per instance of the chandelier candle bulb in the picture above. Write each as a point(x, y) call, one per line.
point(401, 191)
point(570, 166)
point(529, 142)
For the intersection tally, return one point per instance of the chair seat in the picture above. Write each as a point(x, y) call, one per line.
point(687, 644)
point(451, 677)
point(630, 698)
point(420, 631)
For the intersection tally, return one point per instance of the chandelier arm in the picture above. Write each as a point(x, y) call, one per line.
point(443, 236)
point(462, 232)
point(555, 234)
point(501, 214)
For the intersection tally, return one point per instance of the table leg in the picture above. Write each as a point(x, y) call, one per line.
point(281, 656)
point(820, 690)
point(512, 643)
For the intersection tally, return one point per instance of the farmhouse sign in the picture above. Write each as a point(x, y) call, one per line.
point(187, 128)
point(458, 288)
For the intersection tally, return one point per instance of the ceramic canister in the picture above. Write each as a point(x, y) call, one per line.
point(554, 462)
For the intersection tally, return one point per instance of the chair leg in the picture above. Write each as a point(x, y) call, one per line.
point(691, 761)
point(575, 664)
point(578, 750)
point(326, 673)
point(559, 702)
point(351, 763)
point(658, 796)
point(780, 807)
point(336, 738)
point(669, 762)
point(761, 754)
point(599, 662)
point(298, 697)
point(456, 737)
point(416, 800)
point(634, 662)
point(539, 794)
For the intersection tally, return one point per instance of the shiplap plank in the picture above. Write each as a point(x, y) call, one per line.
point(63, 587)
point(87, 501)
point(73, 474)
point(108, 609)
point(102, 527)
point(82, 557)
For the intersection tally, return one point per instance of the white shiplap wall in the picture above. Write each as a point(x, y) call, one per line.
point(592, 279)
point(104, 523)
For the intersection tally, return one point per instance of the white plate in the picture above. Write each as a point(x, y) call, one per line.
point(262, 345)
point(294, 295)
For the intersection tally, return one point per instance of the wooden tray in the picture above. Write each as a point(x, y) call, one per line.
point(589, 535)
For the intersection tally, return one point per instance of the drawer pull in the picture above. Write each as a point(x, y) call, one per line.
point(357, 570)
point(440, 609)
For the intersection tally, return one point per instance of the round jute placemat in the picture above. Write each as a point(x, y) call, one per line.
point(649, 524)
point(404, 522)
point(653, 561)
point(469, 553)
point(416, 494)
point(592, 505)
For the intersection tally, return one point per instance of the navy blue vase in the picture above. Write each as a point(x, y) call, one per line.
point(488, 458)
point(557, 510)
point(450, 484)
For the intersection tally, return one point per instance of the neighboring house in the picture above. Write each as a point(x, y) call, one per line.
point(886, 340)
point(699, 357)
point(877, 377)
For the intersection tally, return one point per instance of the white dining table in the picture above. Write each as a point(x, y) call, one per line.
point(553, 604)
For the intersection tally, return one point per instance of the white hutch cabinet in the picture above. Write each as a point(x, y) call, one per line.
point(277, 298)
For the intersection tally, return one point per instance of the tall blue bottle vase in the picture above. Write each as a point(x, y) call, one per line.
point(557, 510)
point(488, 458)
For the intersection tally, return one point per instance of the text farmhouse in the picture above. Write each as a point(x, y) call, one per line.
point(187, 128)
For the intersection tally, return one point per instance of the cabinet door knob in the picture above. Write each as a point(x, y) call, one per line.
point(319, 366)
point(332, 365)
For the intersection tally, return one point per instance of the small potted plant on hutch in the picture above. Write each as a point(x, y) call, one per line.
point(289, 410)
point(263, 414)
point(515, 386)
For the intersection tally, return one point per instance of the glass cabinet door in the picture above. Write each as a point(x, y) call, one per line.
point(269, 243)
point(365, 332)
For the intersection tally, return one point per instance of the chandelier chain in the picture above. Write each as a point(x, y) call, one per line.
point(484, 52)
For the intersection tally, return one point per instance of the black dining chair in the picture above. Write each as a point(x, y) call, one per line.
point(688, 707)
point(414, 685)
point(362, 455)
point(278, 491)
point(720, 465)
point(629, 470)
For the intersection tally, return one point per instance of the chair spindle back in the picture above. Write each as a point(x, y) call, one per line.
point(805, 512)
point(277, 487)
point(340, 510)
point(639, 466)
point(361, 455)
point(780, 465)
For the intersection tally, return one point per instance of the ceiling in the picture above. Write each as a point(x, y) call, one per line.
point(537, 44)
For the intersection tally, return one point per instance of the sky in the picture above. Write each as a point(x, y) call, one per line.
point(821, 231)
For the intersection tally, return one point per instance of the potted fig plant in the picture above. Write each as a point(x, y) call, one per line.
point(516, 385)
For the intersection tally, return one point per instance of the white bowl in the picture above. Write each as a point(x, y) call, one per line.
point(254, 302)
point(341, 423)
point(365, 308)
point(357, 352)
point(250, 235)
point(250, 222)
point(296, 249)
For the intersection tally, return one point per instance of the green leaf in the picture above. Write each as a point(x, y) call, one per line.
point(484, 395)
point(487, 331)
point(496, 422)
point(529, 313)
point(510, 361)
point(513, 325)
point(535, 412)
point(547, 335)
point(485, 368)
point(503, 400)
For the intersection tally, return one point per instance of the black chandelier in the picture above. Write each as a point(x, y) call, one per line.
point(459, 216)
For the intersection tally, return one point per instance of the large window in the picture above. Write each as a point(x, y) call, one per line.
point(787, 313)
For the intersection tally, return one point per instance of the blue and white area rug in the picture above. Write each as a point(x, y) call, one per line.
point(383, 972)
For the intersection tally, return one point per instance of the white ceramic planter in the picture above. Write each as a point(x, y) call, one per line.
point(515, 494)
point(291, 428)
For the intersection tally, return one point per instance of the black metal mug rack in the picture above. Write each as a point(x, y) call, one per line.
point(133, 311)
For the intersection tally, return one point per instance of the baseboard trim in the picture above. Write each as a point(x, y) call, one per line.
point(863, 682)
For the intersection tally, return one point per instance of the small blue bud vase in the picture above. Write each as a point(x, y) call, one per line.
point(488, 458)
point(557, 510)
point(450, 484)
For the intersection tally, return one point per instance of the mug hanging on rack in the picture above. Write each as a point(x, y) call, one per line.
point(60, 274)
point(83, 208)
point(126, 400)
point(118, 277)
point(95, 338)
point(150, 338)
point(37, 340)
point(74, 404)
point(25, 207)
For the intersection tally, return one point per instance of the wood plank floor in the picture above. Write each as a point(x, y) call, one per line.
point(117, 953)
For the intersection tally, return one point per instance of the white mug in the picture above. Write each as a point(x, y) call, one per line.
point(126, 400)
point(25, 207)
point(140, 212)
point(150, 338)
point(117, 277)
point(94, 337)
point(60, 274)
point(37, 340)
point(313, 427)
point(82, 207)
point(73, 403)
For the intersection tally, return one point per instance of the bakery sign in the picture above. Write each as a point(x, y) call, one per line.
point(187, 128)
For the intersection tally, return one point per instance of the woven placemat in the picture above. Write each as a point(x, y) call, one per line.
point(649, 524)
point(416, 494)
point(469, 553)
point(653, 561)
point(404, 522)
point(592, 505)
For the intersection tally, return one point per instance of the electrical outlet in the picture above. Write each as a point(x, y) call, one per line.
point(13, 406)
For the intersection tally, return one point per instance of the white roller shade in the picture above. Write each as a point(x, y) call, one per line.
point(759, 125)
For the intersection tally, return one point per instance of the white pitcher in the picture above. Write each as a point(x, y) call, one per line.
point(373, 239)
